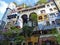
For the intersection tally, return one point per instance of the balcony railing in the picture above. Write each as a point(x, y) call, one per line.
point(46, 27)
point(48, 35)
point(58, 17)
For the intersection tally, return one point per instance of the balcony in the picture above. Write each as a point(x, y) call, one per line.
point(58, 16)
point(11, 16)
point(46, 27)
point(57, 22)
point(50, 35)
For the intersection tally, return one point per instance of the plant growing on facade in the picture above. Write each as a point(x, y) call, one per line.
point(19, 39)
point(13, 34)
point(54, 31)
point(33, 18)
point(27, 32)
point(58, 38)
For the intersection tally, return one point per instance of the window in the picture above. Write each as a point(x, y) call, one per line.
point(11, 16)
point(42, 11)
point(48, 5)
point(57, 13)
point(19, 8)
point(47, 23)
point(45, 16)
point(30, 43)
point(59, 2)
point(10, 43)
point(59, 28)
point(51, 9)
point(23, 43)
point(44, 32)
point(35, 43)
point(58, 21)
point(53, 22)
point(42, 6)
point(52, 4)
point(13, 22)
point(24, 18)
point(55, 8)
point(18, 17)
point(48, 31)
point(52, 15)
point(40, 18)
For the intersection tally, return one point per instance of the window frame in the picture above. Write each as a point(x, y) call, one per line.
point(40, 17)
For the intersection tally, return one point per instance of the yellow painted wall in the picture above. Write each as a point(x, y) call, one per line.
point(32, 39)
point(43, 18)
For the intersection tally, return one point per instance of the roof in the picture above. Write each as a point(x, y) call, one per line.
point(34, 7)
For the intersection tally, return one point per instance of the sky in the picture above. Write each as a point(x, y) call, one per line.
point(4, 4)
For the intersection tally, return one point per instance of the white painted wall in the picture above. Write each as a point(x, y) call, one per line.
point(38, 12)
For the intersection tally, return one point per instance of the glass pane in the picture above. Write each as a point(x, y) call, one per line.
point(30, 43)
point(35, 43)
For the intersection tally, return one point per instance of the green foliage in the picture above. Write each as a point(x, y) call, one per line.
point(15, 3)
point(24, 5)
point(33, 17)
point(58, 38)
point(41, 1)
point(27, 31)
point(0, 31)
point(14, 29)
point(19, 39)
point(12, 32)
point(54, 31)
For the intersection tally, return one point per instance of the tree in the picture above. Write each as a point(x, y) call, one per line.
point(15, 3)
point(27, 32)
point(19, 39)
point(41, 1)
point(24, 5)
point(13, 35)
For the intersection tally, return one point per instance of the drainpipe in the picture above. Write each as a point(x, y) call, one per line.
point(56, 5)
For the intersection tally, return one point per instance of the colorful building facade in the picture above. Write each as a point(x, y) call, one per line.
point(46, 16)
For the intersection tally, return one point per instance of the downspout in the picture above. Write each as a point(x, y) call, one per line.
point(56, 5)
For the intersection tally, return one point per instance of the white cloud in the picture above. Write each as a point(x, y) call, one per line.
point(3, 6)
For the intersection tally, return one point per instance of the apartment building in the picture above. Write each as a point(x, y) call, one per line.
point(46, 15)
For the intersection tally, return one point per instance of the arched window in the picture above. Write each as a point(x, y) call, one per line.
point(33, 18)
point(24, 18)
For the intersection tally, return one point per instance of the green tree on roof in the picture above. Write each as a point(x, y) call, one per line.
point(41, 1)
point(15, 3)
point(27, 32)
